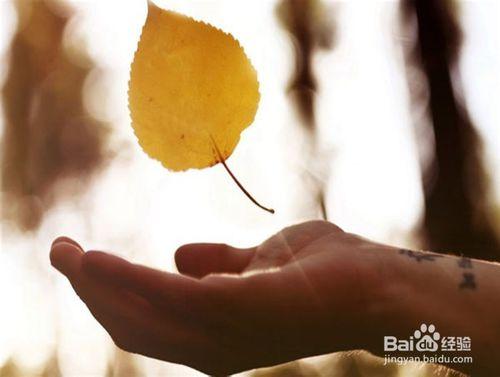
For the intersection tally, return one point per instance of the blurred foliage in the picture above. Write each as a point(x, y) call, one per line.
point(10, 369)
point(51, 367)
point(122, 365)
point(358, 364)
point(354, 364)
point(48, 135)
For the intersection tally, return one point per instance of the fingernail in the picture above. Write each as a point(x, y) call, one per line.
point(62, 255)
point(58, 240)
point(61, 239)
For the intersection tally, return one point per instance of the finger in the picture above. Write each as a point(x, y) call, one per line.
point(109, 306)
point(67, 240)
point(66, 257)
point(131, 321)
point(177, 292)
point(199, 260)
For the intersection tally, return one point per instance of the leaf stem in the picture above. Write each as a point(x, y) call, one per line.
point(248, 195)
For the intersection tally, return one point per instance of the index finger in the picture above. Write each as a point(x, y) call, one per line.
point(178, 292)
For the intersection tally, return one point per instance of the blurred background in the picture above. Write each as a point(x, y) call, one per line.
point(380, 116)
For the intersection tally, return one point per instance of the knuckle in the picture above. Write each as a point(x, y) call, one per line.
point(314, 227)
point(327, 225)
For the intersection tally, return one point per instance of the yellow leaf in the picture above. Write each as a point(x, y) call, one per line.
point(191, 85)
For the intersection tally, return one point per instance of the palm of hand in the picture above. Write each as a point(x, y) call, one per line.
point(231, 309)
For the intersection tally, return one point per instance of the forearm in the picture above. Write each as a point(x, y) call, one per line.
point(459, 296)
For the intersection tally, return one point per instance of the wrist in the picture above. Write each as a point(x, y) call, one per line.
point(386, 305)
point(411, 294)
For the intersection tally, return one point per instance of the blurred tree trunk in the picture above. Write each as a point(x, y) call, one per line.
point(310, 27)
point(456, 215)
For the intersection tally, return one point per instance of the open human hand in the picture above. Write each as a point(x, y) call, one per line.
point(308, 290)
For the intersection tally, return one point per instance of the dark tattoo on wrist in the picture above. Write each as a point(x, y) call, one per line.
point(468, 282)
point(419, 255)
point(465, 263)
point(468, 278)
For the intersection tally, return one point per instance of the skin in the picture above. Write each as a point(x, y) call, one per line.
point(311, 289)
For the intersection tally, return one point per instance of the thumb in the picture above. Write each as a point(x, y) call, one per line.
point(199, 260)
